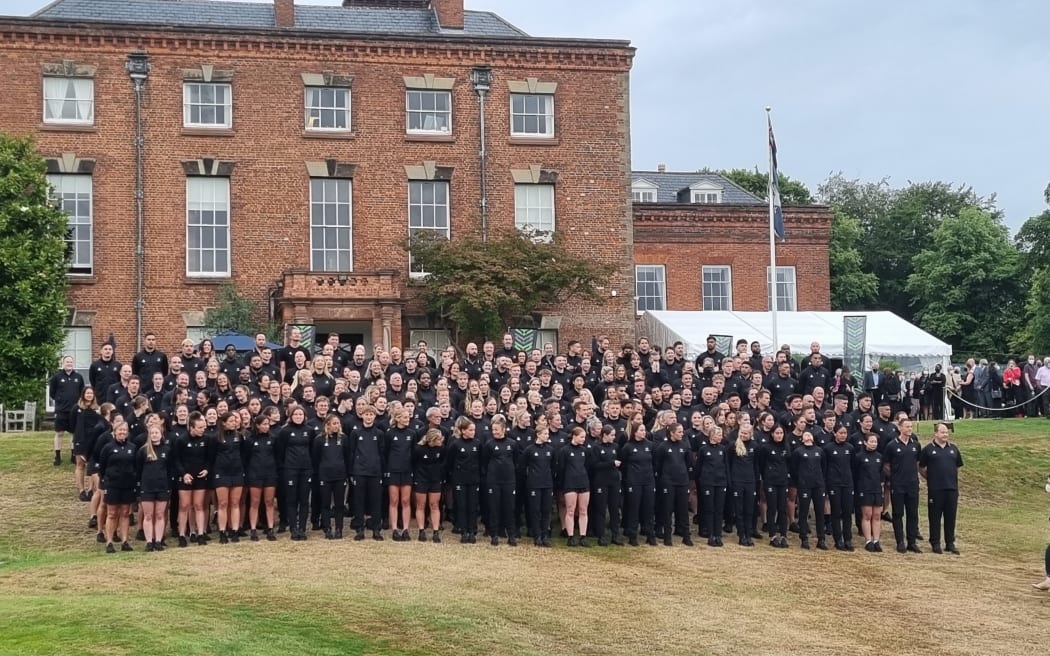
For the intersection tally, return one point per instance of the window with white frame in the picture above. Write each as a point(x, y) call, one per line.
point(707, 197)
point(73, 195)
point(69, 100)
point(427, 214)
point(785, 288)
point(650, 288)
point(77, 345)
point(207, 105)
point(534, 209)
point(330, 225)
point(208, 227)
point(643, 191)
point(428, 112)
point(327, 108)
point(531, 115)
point(717, 287)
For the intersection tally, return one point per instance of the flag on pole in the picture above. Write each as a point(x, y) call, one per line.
point(777, 211)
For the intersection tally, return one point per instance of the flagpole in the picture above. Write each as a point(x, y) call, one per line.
point(772, 241)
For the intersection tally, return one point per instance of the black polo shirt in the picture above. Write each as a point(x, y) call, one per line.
point(903, 459)
point(942, 466)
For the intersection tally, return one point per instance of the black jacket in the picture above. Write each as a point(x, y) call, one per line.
point(155, 476)
point(65, 390)
point(117, 465)
point(464, 462)
point(331, 456)
point(537, 463)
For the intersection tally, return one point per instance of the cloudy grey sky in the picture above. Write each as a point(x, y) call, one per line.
point(952, 90)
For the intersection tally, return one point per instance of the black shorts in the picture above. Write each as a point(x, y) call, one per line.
point(576, 490)
point(870, 499)
point(197, 484)
point(62, 422)
point(262, 480)
point(427, 487)
point(398, 478)
point(92, 466)
point(155, 496)
point(227, 480)
point(120, 496)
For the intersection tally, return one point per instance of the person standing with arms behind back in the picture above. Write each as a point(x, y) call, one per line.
point(900, 459)
point(939, 464)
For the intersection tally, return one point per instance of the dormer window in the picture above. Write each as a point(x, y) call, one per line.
point(705, 192)
point(643, 191)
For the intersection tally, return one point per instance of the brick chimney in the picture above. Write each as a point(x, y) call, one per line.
point(661, 168)
point(284, 13)
point(449, 13)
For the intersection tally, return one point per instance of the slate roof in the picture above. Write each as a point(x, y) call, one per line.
point(669, 184)
point(260, 15)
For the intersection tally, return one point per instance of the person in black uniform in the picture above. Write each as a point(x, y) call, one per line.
point(149, 360)
point(194, 455)
point(331, 456)
point(900, 460)
point(397, 444)
point(228, 476)
point(672, 460)
point(605, 488)
point(104, 372)
point(65, 388)
point(85, 423)
point(155, 467)
point(296, 462)
point(636, 456)
point(867, 484)
point(464, 463)
point(774, 460)
point(537, 466)
point(939, 464)
point(712, 481)
point(838, 478)
point(573, 478)
point(808, 464)
point(117, 469)
point(499, 462)
point(428, 477)
point(261, 476)
point(366, 475)
point(744, 473)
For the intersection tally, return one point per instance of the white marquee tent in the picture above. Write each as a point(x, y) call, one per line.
point(889, 337)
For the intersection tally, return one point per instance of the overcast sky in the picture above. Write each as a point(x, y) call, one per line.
point(953, 90)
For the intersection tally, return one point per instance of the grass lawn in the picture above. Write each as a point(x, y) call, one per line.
point(60, 594)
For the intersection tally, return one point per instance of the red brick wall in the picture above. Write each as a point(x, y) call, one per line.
point(685, 238)
point(269, 184)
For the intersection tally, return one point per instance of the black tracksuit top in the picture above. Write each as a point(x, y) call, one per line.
point(808, 464)
point(499, 461)
point(839, 464)
point(259, 456)
point(712, 465)
point(571, 467)
point(194, 455)
point(537, 460)
point(744, 469)
point(229, 456)
point(366, 455)
point(331, 456)
point(604, 473)
point(464, 463)
point(867, 472)
point(672, 461)
point(397, 450)
point(774, 462)
point(293, 448)
point(428, 464)
point(117, 465)
point(637, 459)
point(155, 477)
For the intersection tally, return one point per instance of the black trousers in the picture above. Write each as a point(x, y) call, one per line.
point(841, 499)
point(315, 502)
point(944, 504)
point(501, 504)
point(297, 498)
point(331, 498)
point(368, 500)
point(744, 508)
point(674, 499)
point(815, 497)
point(639, 501)
point(538, 509)
point(605, 500)
point(466, 502)
point(905, 503)
point(777, 509)
point(713, 503)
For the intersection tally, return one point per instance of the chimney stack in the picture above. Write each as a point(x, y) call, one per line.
point(449, 13)
point(661, 168)
point(284, 13)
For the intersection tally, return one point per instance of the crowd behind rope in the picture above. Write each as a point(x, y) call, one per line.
point(620, 447)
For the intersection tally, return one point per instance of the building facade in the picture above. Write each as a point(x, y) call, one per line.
point(702, 243)
point(292, 150)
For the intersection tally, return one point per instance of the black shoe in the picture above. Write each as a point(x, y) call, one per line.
point(182, 541)
point(774, 542)
point(473, 538)
point(58, 460)
point(110, 548)
point(618, 541)
point(149, 546)
point(360, 535)
point(633, 541)
point(422, 535)
point(651, 541)
point(755, 535)
point(914, 548)
point(93, 522)
point(840, 545)
point(571, 542)
point(100, 538)
point(254, 535)
point(918, 537)
point(742, 541)
point(668, 542)
point(952, 549)
point(126, 547)
point(338, 534)
point(687, 541)
point(193, 538)
point(603, 541)
point(822, 544)
point(328, 535)
point(436, 538)
point(711, 542)
point(464, 538)
point(222, 537)
point(377, 536)
point(870, 547)
point(494, 540)
point(805, 543)
point(584, 543)
point(886, 517)
point(270, 535)
point(878, 547)
point(936, 548)
point(848, 546)
point(84, 496)
point(159, 546)
point(793, 527)
point(901, 548)
point(513, 542)
point(234, 537)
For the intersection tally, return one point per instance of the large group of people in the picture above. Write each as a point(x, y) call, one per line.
point(603, 447)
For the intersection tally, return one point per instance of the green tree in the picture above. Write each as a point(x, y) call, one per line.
point(1033, 336)
point(479, 289)
point(851, 287)
point(792, 192)
point(234, 312)
point(33, 284)
point(965, 282)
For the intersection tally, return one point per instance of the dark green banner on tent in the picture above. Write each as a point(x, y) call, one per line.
point(854, 343)
point(724, 344)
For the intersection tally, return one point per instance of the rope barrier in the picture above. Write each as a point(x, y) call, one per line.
point(1012, 407)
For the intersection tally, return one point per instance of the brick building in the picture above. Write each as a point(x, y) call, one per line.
point(292, 149)
point(702, 243)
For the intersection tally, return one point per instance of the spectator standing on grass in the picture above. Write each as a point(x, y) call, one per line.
point(981, 390)
point(1028, 386)
point(1012, 386)
point(1042, 386)
point(939, 464)
point(969, 394)
point(935, 385)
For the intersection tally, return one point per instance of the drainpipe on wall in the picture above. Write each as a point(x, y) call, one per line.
point(481, 77)
point(138, 68)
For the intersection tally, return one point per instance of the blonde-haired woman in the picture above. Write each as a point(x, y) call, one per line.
point(156, 468)
point(743, 472)
point(428, 476)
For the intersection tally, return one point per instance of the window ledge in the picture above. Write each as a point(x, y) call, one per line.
point(534, 141)
point(208, 132)
point(432, 138)
point(81, 278)
point(329, 134)
point(201, 280)
point(70, 127)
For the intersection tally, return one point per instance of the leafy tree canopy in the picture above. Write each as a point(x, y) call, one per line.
point(792, 192)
